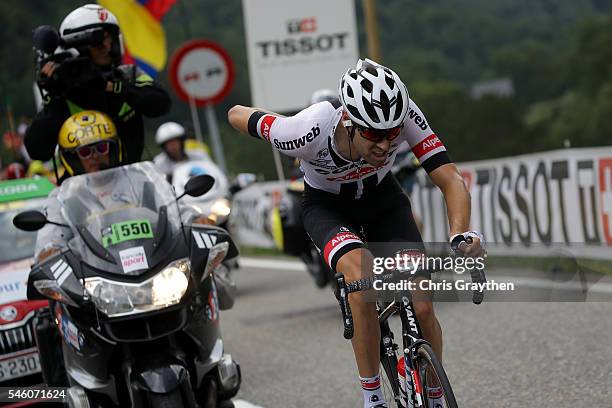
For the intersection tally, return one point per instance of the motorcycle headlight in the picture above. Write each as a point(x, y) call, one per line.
point(164, 289)
point(215, 211)
point(221, 207)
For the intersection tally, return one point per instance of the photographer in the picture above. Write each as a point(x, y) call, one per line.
point(85, 73)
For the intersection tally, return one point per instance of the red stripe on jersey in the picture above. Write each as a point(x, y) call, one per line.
point(426, 145)
point(264, 127)
point(336, 242)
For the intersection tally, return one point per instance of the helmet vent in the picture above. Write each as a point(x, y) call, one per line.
point(349, 92)
point(399, 107)
point(366, 85)
point(385, 105)
point(370, 110)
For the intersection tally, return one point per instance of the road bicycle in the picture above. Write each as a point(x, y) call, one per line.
point(419, 361)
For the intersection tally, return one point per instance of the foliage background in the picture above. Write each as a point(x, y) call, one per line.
point(558, 54)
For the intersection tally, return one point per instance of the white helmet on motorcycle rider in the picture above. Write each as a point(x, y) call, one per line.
point(92, 16)
point(169, 131)
point(171, 138)
point(373, 96)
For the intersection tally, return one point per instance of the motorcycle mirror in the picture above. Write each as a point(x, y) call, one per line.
point(198, 185)
point(30, 220)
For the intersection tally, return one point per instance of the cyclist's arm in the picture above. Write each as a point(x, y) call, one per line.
point(296, 136)
point(238, 116)
point(431, 152)
point(457, 198)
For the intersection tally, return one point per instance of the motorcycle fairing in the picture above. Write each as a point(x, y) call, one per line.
point(96, 205)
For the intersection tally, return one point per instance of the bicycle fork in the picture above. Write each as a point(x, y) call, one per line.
point(411, 339)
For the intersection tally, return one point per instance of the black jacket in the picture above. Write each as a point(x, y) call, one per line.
point(135, 94)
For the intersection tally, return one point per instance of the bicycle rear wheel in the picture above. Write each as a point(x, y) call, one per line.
point(433, 375)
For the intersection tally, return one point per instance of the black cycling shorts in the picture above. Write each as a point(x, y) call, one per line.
point(335, 224)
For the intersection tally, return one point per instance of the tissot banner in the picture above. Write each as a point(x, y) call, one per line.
point(525, 204)
point(296, 47)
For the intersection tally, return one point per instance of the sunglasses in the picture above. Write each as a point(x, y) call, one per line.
point(378, 135)
point(101, 148)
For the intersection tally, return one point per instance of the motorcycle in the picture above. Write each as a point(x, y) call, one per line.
point(133, 295)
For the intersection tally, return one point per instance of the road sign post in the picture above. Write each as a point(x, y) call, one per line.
point(202, 74)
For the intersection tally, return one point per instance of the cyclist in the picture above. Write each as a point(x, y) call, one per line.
point(346, 151)
point(172, 138)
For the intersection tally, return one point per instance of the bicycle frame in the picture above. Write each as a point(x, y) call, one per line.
point(411, 339)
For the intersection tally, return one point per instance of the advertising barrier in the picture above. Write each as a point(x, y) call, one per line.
point(525, 204)
point(528, 205)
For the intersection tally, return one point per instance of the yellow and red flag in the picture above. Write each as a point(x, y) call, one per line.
point(144, 38)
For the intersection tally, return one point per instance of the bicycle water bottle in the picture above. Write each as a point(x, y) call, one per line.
point(405, 386)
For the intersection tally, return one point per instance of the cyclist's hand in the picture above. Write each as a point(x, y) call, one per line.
point(471, 244)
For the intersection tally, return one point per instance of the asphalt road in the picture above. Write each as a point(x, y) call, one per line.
point(287, 336)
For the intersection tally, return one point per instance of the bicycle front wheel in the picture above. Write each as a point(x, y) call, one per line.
point(433, 376)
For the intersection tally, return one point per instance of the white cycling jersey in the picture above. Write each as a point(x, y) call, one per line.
point(309, 136)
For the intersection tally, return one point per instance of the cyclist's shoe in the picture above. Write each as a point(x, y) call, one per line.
point(381, 406)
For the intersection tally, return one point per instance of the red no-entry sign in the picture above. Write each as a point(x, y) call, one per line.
point(202, 71)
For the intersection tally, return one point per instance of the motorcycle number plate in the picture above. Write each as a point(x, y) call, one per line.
point(19, 364)
point(126, 231)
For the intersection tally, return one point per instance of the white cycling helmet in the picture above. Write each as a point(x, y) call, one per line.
point(92, 16)
point(169, 131)
point(373, 96)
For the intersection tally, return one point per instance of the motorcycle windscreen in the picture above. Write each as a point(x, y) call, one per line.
point(122, 211)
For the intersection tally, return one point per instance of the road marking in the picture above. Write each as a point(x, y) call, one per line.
point(536, 283)
point(244, 404)
point(271, 264)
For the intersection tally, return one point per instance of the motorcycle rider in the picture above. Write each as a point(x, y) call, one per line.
point(172, 137)
point(124, 92)
point(347, 151)
point(88, 142)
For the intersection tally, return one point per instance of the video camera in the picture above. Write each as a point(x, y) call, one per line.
point(75, 67)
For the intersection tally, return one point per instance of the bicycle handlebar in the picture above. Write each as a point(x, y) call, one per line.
point(477, 275)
